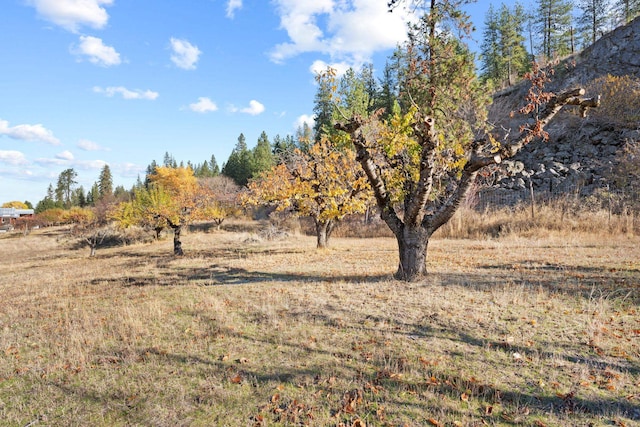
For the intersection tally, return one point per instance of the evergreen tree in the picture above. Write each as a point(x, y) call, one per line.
point(555, 25)
point(169, 161)
point(65, 187)
point(151, 169)
point(93, 195)
point(593, 19)
point(238, 166)
point(514, 53)
point(387, 96)
point(48, 202)
point(202, 171)
point(371, 87)
point(121, 194)
point(353, 95)
point(78, 197)
point(213, 164)
point(491, 59)
point(283, 148)
point(305, 136)
point(628, 9)
point(261, 158)
point(323, 108)
point(503, 53)
point(105, 183)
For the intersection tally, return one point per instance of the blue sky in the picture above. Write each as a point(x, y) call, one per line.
point(84, 83)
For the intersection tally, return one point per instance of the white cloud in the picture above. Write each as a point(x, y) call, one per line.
point(86, 145)
point(232, 6)
point(253, 109)
point(89, 164)
point(66, 159)
point(305, 118)
point(72, 14)
point(28, 133)
point(65, 155)
point(97, 52)
point(203, 105)
point(126, 93)
point(46, 162)
point(12, 157)
point(129, 170)
point(353, 29)
point(320, 66)
point(185, 55)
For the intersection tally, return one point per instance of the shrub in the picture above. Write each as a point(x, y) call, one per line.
point(619, 102)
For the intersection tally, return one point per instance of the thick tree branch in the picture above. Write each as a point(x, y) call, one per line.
point(363, 156)
point(553, 107)
point(479, 161)
point(425, 134)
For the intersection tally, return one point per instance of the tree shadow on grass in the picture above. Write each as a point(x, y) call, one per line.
point(586, 281)
point(378, 382)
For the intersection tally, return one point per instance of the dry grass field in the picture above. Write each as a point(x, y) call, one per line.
point(241, 331)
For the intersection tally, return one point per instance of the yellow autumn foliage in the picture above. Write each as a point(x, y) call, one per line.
point(323, 182)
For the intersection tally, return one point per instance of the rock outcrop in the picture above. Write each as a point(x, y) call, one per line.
point(580, 152)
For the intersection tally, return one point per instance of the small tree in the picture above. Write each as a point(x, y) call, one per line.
point(50, 217)
point(15, 204)
point(223, 194)
point(173, 199)
point(87, 225)
point(321, 182)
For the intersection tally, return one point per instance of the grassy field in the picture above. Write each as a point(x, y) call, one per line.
point(248, 332)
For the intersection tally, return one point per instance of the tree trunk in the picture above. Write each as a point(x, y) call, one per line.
point(412, 247)
point(323, 232)
point(177, 244)
point(92, 253)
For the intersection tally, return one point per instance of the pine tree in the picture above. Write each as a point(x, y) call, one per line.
point(261, 158)
point(503, 53)
point(628, 9)
point(387, 96)
point(93, 195)
point(65, 187)
point(555, 24)
point(492, 68)
point(105, 183)
point(151, 169)
point(323, 108)
point(238, 166)
point(593, 20)
point(213, 164)
point(514, 54)
point(169, 161)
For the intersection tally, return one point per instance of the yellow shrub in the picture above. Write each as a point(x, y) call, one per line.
point(620, 100)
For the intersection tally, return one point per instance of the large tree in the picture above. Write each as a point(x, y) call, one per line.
point(422, 163)
point(105, 183)
point(65, 187)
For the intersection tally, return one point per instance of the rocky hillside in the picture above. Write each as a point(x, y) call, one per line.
point(580, 152)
